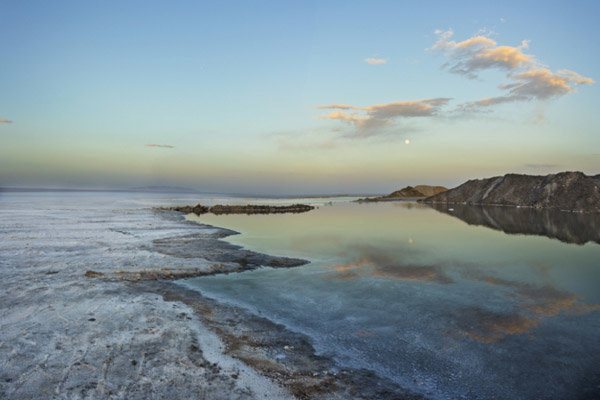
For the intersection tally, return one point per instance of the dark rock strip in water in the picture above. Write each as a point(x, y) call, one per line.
point(219, 209)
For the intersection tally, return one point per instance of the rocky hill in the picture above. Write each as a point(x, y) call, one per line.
point(430, 190)
point(408, 193)
point(567, 191)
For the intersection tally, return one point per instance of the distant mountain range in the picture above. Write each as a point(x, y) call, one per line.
point(149, 189)
point(566, 191)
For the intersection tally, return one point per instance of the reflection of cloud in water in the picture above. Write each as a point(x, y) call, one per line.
point(489, 326)
point(534, 303)
point(545, 300)
point(526, 304)
point(371, 261)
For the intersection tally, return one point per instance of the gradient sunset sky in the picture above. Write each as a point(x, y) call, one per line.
point(283, 97)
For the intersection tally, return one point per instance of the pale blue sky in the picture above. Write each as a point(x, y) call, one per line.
point(234, 88)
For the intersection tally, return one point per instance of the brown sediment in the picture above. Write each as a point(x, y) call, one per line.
point(152, 274)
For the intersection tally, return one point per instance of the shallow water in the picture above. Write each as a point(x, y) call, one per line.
point(444, 308)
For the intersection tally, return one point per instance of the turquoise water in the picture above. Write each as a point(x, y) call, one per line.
point(444, 308)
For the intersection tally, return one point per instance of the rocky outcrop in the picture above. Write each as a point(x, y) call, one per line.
point(430, 190)
point(566, 191)
point(578, 228)
point(408, 193)
point(247, 209)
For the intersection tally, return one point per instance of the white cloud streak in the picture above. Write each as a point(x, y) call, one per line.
point(375, 61)
point(164, 146)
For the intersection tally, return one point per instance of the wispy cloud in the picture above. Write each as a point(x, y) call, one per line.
point(368, 121)
point(5, 121)
point(543, 83)
point(529, 79)
point(375, 61)
point(479, 53)
point(336, 106)
point(164, 146)
point(537, 84)
point(414, 108)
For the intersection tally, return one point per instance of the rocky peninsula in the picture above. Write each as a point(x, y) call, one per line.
point(565, 191)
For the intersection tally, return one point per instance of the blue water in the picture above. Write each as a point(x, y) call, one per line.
point(444, 308)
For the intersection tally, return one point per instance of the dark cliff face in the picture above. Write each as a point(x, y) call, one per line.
point(570, 191)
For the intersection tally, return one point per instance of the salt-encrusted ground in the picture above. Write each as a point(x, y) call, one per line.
point(65, 335)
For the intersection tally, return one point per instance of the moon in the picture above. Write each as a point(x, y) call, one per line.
point(406, 141)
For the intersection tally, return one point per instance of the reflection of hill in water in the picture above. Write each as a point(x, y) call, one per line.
point(565, 226)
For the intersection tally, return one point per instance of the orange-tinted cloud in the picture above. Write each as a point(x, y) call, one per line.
point(369, 120)
point(530, 80)
point(337, 106)
point(479, 53)
point(414, 108)
point(5, 121)
point(537, 84)
point(543, 83)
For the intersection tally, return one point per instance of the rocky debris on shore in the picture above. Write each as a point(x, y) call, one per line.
point(566, 191)
point(408, 193)
point(219, 209)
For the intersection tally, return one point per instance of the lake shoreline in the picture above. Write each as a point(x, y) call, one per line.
point(86, 316)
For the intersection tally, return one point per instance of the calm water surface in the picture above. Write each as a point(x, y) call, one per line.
point(445, 308)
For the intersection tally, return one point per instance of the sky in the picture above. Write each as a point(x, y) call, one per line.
point(295, 97)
